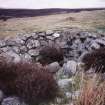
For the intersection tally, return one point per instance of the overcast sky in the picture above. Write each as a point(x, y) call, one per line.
point(51, 3)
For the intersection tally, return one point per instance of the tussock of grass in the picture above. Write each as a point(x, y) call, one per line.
point(92, 93)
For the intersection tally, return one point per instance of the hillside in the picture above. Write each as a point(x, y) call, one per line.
point(11, 13)
point(92, 20)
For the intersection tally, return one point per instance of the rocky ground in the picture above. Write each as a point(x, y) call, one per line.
point(74, 42)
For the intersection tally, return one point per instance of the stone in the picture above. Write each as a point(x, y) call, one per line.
point(33, 52)
point(34, 36)
point(74, 53)
point(16, 58)
point(49, 32)
point(83, 34)
point(94, 45)
point(6, 49)
point(10, 43)
point(66, 47)
point(100, 41)
point(65, 83)
point(70, 67)
point(91, 35)
point(16, 49)
point(23, 49)
point(77, 41)
point(1, 51)
point(68, 94)
point(73, 95)
point(56, 35)
point(26, 57)
point(19, 41)
point(2, 43)
point(21, 36)
point(53, 67)
point(12, 101)
point(41, 38)
point(43, 43)
point(81, 47)
point(33, 43)
point(50, 37)
point(41, 34)
point(74, 46)
point(88, 42)
point(25, 37)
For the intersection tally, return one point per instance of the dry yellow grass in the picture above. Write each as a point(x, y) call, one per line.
point(83, 20)
point(92, 93)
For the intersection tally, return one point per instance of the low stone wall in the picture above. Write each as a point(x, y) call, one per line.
point(74, 42)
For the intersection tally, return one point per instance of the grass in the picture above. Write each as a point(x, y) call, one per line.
point(84, 20)
point(92, 93)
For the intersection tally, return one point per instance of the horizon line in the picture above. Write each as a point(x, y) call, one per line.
point(56, 8)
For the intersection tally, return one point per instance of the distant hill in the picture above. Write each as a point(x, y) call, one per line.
point(15, 13)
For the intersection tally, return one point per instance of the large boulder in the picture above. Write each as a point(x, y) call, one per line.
point(15, 57)
point(53, 67)
point(70, 67)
